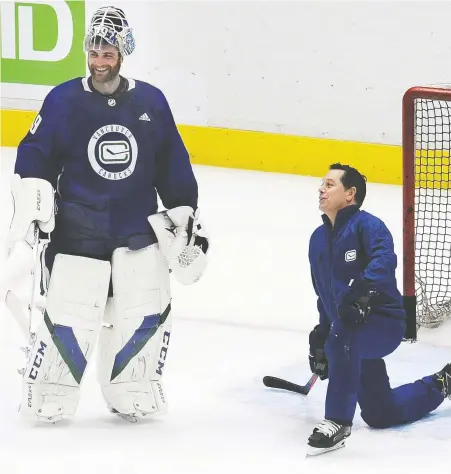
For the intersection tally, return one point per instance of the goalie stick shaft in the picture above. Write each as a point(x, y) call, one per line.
point(275, 382)
point(33, 276)
point(14, 305)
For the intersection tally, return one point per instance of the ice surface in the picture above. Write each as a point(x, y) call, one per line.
point(249, 316)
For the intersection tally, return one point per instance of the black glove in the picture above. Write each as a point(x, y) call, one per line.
point(356, 303)
point(317, 356)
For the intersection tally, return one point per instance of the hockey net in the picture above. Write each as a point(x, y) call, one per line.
point(427, 206)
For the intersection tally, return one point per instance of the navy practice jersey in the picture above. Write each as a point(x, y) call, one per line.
point(107, 158)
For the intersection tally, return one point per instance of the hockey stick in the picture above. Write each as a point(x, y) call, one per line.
point(275, 382)
point(33, 276)
point(15, 307)
point(13, 303)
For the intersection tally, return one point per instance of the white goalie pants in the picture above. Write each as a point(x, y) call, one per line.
point(132, 341)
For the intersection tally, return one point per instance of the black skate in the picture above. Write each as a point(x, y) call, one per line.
point(327, 436)
point(443, 379)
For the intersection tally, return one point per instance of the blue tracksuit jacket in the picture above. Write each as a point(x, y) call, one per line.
point(358, 246)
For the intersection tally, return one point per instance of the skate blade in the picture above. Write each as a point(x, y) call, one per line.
point(49, 419)
point(311, 451)
point(127, 417)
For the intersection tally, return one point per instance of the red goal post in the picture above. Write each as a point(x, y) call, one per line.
point(426, 146)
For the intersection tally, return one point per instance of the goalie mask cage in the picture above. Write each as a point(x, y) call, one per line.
point(426, 147)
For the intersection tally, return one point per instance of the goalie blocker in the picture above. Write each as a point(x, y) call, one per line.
point(33, 200)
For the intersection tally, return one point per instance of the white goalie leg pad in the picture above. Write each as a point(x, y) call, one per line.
point(134, 342)
point(66, 337)
point(33, 202)
point(183, 241)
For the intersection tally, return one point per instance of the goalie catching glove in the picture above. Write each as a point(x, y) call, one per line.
point(182, 241)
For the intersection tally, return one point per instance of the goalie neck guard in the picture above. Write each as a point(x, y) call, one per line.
point(109, 24)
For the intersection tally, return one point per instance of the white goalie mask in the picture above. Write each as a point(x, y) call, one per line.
point(110, 24)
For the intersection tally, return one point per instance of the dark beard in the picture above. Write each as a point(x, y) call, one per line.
point(112, 73)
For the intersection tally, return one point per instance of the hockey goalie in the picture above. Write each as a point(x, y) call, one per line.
point(86, 179)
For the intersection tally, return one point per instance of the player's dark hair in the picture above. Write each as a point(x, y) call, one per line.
point(352, 178)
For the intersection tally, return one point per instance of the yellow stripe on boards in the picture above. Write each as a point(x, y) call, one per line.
point(261, 151)
point(15, 125)
point(290, 154)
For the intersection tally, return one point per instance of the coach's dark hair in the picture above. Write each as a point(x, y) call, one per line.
point(352, 178)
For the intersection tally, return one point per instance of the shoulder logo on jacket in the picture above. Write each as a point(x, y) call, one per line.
point(112, 152)
point(350, 255)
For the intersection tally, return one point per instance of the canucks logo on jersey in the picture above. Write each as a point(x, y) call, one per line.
point(112, 152)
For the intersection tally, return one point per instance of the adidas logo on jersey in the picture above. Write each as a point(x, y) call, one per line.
point(145, 117)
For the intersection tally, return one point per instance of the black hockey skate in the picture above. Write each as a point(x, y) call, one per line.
point(327, 436)
point(443, 379)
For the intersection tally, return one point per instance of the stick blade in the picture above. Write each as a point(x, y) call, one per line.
point(275, 382)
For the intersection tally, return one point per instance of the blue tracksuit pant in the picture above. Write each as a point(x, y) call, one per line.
point(357, 374)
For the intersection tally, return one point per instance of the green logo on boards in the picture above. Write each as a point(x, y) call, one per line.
point(42, 41)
